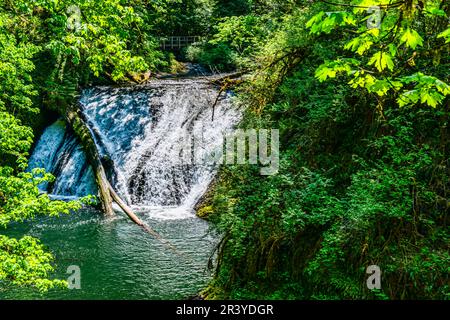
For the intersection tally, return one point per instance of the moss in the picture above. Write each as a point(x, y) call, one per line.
point(205, 212)
point(204, 207)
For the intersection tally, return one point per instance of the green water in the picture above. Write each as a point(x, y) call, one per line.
point(118, 260)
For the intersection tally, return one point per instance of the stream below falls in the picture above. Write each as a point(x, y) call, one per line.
point(118, 260)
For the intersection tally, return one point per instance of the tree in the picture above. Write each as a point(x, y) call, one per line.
point(407, 35)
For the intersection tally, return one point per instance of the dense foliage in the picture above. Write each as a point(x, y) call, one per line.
point(364, 169)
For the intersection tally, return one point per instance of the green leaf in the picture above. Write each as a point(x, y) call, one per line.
point(431, 98)
point(442, 87)
point(411, 38)
point(408, 97)
point(380, 87)
point(352, 44)
point(315, 19)
point(392, 49)
point(382, 60)
point(323, 73)
point(364, 47)
point(445, 34)
point(437, 12)
point(315, 23)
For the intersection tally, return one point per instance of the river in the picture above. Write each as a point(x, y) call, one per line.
point(118, 260)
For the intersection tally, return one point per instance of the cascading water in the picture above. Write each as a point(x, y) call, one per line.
point(141, 133)
point(59, 152)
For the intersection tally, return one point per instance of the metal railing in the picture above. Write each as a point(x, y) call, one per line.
point(178, 42)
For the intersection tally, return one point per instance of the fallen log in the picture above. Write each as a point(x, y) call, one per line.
point(129, 212)
point(227, 78)
point(216, 101)
point(75, 120)
point(107, 193)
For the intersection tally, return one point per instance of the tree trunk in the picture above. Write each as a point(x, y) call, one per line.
point(138, 221)
point(74, 118)
point(227, 78)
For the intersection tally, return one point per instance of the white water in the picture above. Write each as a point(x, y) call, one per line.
point(60, 154)
point(141, 132)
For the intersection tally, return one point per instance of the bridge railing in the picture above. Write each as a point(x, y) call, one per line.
point(178, 42)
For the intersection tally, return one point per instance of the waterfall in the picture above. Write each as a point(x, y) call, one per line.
point(145, 138)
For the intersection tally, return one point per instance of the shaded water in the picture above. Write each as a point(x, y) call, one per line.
point(118, 260)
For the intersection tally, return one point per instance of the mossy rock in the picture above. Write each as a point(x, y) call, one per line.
point(204, 206)
point(205, 211)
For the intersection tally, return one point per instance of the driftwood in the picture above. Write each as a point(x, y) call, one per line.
point(107, 193)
